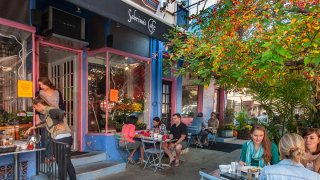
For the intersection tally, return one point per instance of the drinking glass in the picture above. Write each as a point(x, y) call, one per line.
point(238, 169)
point(233, 167)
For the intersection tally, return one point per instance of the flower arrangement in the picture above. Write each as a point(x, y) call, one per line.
point(126, 107)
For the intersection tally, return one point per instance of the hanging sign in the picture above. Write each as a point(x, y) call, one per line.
point(114, 95)
point(25, 89)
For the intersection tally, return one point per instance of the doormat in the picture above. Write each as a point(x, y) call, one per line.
point(220, 146)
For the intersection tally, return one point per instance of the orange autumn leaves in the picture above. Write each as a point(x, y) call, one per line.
point(249, 40)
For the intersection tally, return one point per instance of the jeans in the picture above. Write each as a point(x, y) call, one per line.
point(70, 169)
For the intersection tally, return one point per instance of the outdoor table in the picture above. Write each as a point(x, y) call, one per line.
point(160, 164)
point(216, 175)
point(16, 159)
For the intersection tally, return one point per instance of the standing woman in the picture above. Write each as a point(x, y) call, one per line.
point(56, 125)
point(50, 92)
point(259, 151)
point(311, 160)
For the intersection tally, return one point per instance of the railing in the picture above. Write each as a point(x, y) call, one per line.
point(53, 164)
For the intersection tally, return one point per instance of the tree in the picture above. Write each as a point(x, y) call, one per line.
point(243, 41)
point(265, 46)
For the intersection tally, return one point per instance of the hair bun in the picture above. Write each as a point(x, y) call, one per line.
point(294, 149)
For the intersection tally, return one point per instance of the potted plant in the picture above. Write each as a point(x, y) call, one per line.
point(244, 132)
point(227, 130)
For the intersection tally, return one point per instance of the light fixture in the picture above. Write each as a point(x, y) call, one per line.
point(78, 10)
point(118, 25)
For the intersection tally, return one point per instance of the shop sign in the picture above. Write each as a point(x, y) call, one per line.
point(25, 89)
point(114, 95)
point(127, 15)
point(135, 18)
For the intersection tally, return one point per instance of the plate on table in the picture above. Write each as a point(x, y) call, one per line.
point(246, 168)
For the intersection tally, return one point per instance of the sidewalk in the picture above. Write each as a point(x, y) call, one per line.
point(195, 160)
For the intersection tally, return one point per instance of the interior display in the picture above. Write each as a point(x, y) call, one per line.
point(118, 96)
point(15, 65)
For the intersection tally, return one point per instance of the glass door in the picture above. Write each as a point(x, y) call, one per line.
point(166, 102)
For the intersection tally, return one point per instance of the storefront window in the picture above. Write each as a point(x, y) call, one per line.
point(16, 112)
point(127, 81)
point(129, 92)
point(190, 93)
point(189, 100)
point(97, 93)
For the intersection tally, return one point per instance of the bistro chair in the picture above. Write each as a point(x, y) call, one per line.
point(194, 136)
point(124, 150)
point(213, 134)
point(153, 153)
point(205, 176)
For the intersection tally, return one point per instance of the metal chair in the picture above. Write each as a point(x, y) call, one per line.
point(153, 153)
point(213, 134)
point(205, 176)
point(194, 136)
point(122, 145)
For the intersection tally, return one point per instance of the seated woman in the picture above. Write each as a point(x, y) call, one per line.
point(291, 148)
point(259, 151)
point(213, 123)
point(311, 159)
point(159, 126)
point(129, 132)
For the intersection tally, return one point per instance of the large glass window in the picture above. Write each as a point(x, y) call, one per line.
point(190, 93)
point(127, 81)
point(97, 93)
point(16, 113)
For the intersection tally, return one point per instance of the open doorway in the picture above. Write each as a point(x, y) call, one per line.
point(61, 67)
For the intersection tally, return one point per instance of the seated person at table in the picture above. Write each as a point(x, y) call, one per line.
point(311, 159)
point(199, 124)
point(259, 151)
point(291, 148)
point(178, 132)
point(213, 123)
point(129, 132)
point(159, 126)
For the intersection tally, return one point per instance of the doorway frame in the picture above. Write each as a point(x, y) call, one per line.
point(40, 41)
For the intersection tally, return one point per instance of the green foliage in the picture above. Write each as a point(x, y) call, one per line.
point(229, 127)
point(242, 119)
point(229, 115)
point(274, 131)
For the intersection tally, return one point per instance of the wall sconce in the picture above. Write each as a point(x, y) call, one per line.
point(78, 10)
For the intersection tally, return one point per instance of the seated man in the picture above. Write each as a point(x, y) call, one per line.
point(178, 132)
point(199, 125)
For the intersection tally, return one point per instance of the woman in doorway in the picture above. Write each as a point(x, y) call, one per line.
point(56, 125)
point(50, 92)
point(311, 159)
point(291, 147)
point(259, 151)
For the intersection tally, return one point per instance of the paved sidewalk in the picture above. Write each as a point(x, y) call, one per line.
point(195, 160)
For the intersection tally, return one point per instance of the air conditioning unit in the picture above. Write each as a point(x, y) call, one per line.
point(63, 27)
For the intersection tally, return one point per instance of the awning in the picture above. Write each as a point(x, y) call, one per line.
point(127, 15)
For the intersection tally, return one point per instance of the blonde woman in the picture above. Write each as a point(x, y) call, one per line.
point(291, 147)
